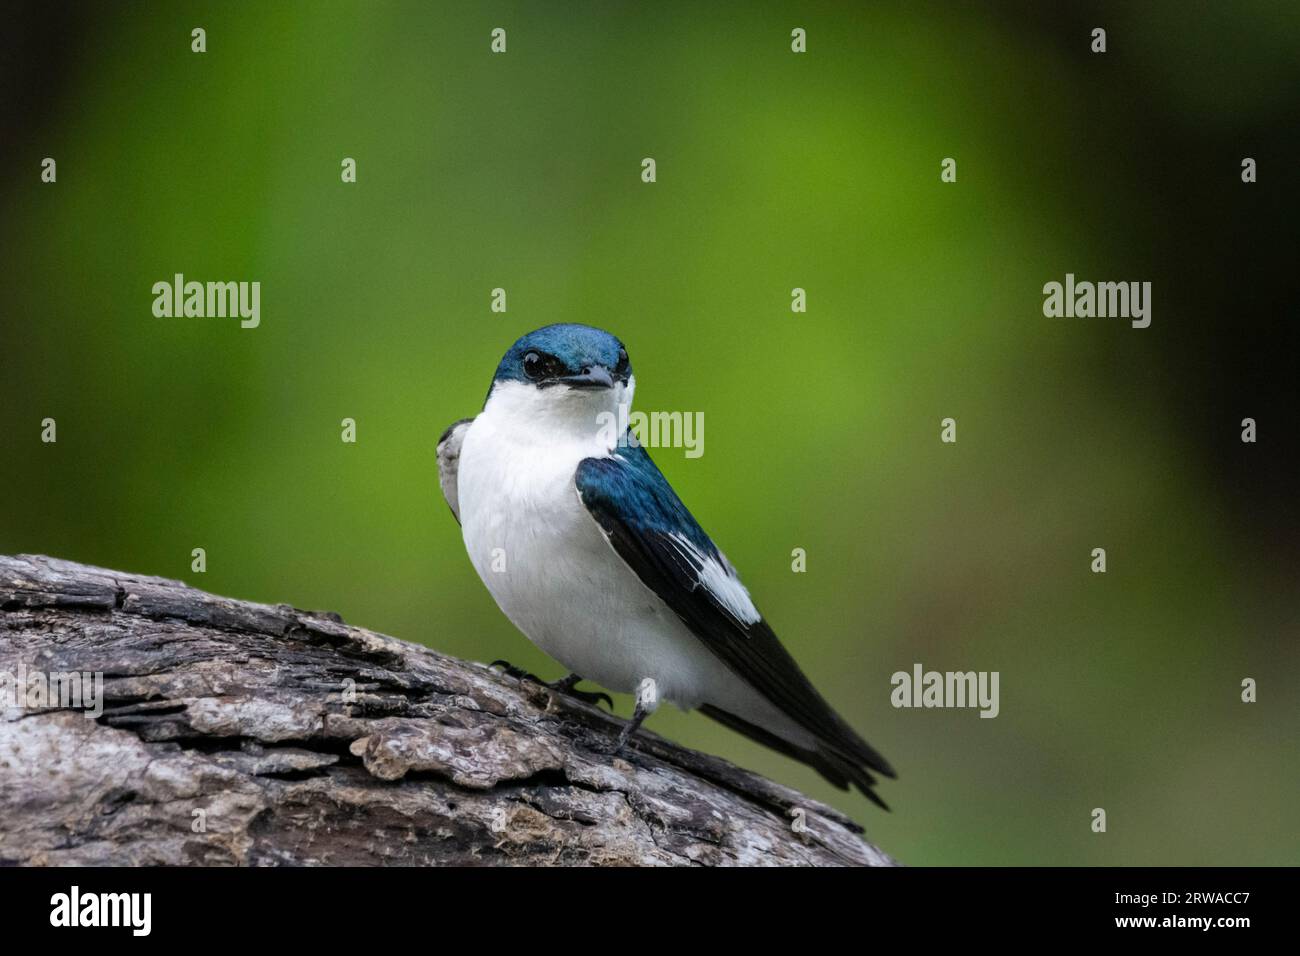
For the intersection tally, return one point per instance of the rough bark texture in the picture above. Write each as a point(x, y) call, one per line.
point(240, 733)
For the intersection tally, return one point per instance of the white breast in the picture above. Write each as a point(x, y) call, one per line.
point(555, 575)
point(542, 556)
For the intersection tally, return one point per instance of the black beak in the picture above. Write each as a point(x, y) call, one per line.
point(593, 376)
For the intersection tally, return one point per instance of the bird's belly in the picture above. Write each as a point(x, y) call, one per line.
point(555, 576)
point(564, 587)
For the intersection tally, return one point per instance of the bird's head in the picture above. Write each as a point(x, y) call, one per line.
point(563, 375)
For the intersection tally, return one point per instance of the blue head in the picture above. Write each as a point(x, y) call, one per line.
point(566, 357)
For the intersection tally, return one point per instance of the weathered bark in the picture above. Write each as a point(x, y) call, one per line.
point(240, 733)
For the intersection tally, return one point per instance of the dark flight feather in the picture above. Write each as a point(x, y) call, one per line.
point(641, 515)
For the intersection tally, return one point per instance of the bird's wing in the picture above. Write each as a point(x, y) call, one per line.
point(652, 531)
point(449, 462)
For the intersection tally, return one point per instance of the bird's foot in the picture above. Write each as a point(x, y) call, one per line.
point(518, 673)
point(565, 685)
point(647, 700)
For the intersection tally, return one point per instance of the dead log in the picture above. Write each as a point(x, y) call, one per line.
point(252, 734)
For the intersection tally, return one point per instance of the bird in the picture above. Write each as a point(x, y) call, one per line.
point(588, 550)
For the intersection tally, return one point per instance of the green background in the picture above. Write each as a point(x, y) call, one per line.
point(775, 170)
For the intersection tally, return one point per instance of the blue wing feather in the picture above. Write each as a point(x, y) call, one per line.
point(646, 522)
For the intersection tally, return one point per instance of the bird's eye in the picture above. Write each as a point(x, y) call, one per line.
point(534, 367)
point(622, 361)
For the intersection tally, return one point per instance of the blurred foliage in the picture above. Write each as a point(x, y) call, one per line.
point(775, 170)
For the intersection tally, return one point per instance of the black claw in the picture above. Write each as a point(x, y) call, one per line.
point(565, 685)
point(518, 673)
point(562, 686)
point(593, 697)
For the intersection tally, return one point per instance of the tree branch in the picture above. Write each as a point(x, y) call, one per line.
point(240, 733)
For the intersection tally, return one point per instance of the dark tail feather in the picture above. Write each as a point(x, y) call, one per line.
point(835, 767)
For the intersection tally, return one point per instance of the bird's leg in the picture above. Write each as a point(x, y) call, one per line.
point(647, 702)
point(564, 685)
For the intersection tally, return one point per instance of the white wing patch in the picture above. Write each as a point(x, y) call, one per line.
point(720, 579)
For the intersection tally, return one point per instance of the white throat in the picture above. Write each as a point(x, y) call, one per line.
point(588, 419)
